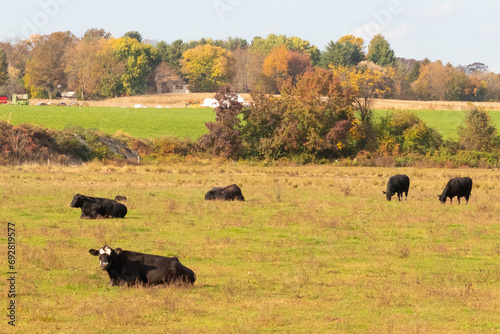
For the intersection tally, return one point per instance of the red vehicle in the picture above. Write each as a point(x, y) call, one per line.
point(3, 99)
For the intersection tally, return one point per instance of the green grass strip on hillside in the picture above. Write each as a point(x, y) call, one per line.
point(179, 122)
point(139, 123)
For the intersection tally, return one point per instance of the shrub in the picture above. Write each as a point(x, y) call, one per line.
point(478, 134)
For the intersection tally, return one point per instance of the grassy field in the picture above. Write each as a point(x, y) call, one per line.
point(139, 123)
point(177, 122)
point(314, 249)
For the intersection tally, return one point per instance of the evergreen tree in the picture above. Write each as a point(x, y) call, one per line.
point(380, 52)
point(347, 51)
point(4, 74)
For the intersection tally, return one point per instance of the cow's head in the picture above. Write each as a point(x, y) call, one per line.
point(442, 198)
point(388, 195)
point(210, 195)
point(77, 201)
point(106, 256)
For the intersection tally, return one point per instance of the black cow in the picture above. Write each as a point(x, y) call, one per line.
point(120, 198)
point(459, 186)
point(95, 207)
point(397, 184)
point(229, 193)
point(126, 267)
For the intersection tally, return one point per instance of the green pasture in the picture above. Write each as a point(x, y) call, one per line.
point(446, 122)
point(176, 122)
point(313, 249)
point(138, 123)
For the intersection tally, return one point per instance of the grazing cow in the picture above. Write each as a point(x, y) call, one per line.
point(459, 186)
point(126, 267)
point(397, 184)
point(120, 198)
point(229, 193)
point(95, 207)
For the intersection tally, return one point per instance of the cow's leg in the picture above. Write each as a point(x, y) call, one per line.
point(467, 199)
point(400, 194)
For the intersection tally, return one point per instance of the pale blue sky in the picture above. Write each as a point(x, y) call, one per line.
point(457, 31)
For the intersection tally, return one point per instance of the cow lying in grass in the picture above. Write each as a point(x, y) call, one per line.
point(126, 267)
point(229, 193)
point(95, 207)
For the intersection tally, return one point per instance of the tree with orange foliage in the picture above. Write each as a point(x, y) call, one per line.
point(283, 64)
point(46, 64)
point(90, 62)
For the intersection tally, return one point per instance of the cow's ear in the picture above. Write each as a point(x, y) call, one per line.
point(94, 252)
point(384, 192)
point(118, 251)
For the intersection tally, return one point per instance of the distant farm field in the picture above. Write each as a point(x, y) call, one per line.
point(178, 122)
point(139, 123)
point(314, 249)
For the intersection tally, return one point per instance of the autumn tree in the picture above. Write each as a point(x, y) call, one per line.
point(347, 51)
point(91, 66)
point(380, 52)
point(404, 132)
point(96, 34)
point(17, 54)
point(134, 35)
point(283, 64)
point(312, 119)
point(4, 74)
point(207, 67)
point(432, 83)
point(224, 135)
point(139, 59)
point(247, 70)
point(45, 68)
point(292, 43)
point(490, 83)
point(477, 133)
point(365, 82)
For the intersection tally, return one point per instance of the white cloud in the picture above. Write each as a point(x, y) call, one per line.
point(369, 30)
point(444, 10)
point(401, 32)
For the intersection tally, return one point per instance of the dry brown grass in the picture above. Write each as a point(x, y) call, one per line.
point(431, 105)
point(180, 101)
point(301, 255)
point(152, 100)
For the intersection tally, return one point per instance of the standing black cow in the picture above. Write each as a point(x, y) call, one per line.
point(95, 207)
point(126, 267)
point(229, 193)
point(459, 186)
point(397, 184)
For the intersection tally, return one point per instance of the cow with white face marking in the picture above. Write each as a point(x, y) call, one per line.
point(126, 267)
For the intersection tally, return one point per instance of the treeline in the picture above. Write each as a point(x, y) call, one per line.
point(99, 66)
point(313, 120)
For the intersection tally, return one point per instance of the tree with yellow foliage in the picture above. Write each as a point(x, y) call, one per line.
point(207, 67)
point(365, 82)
